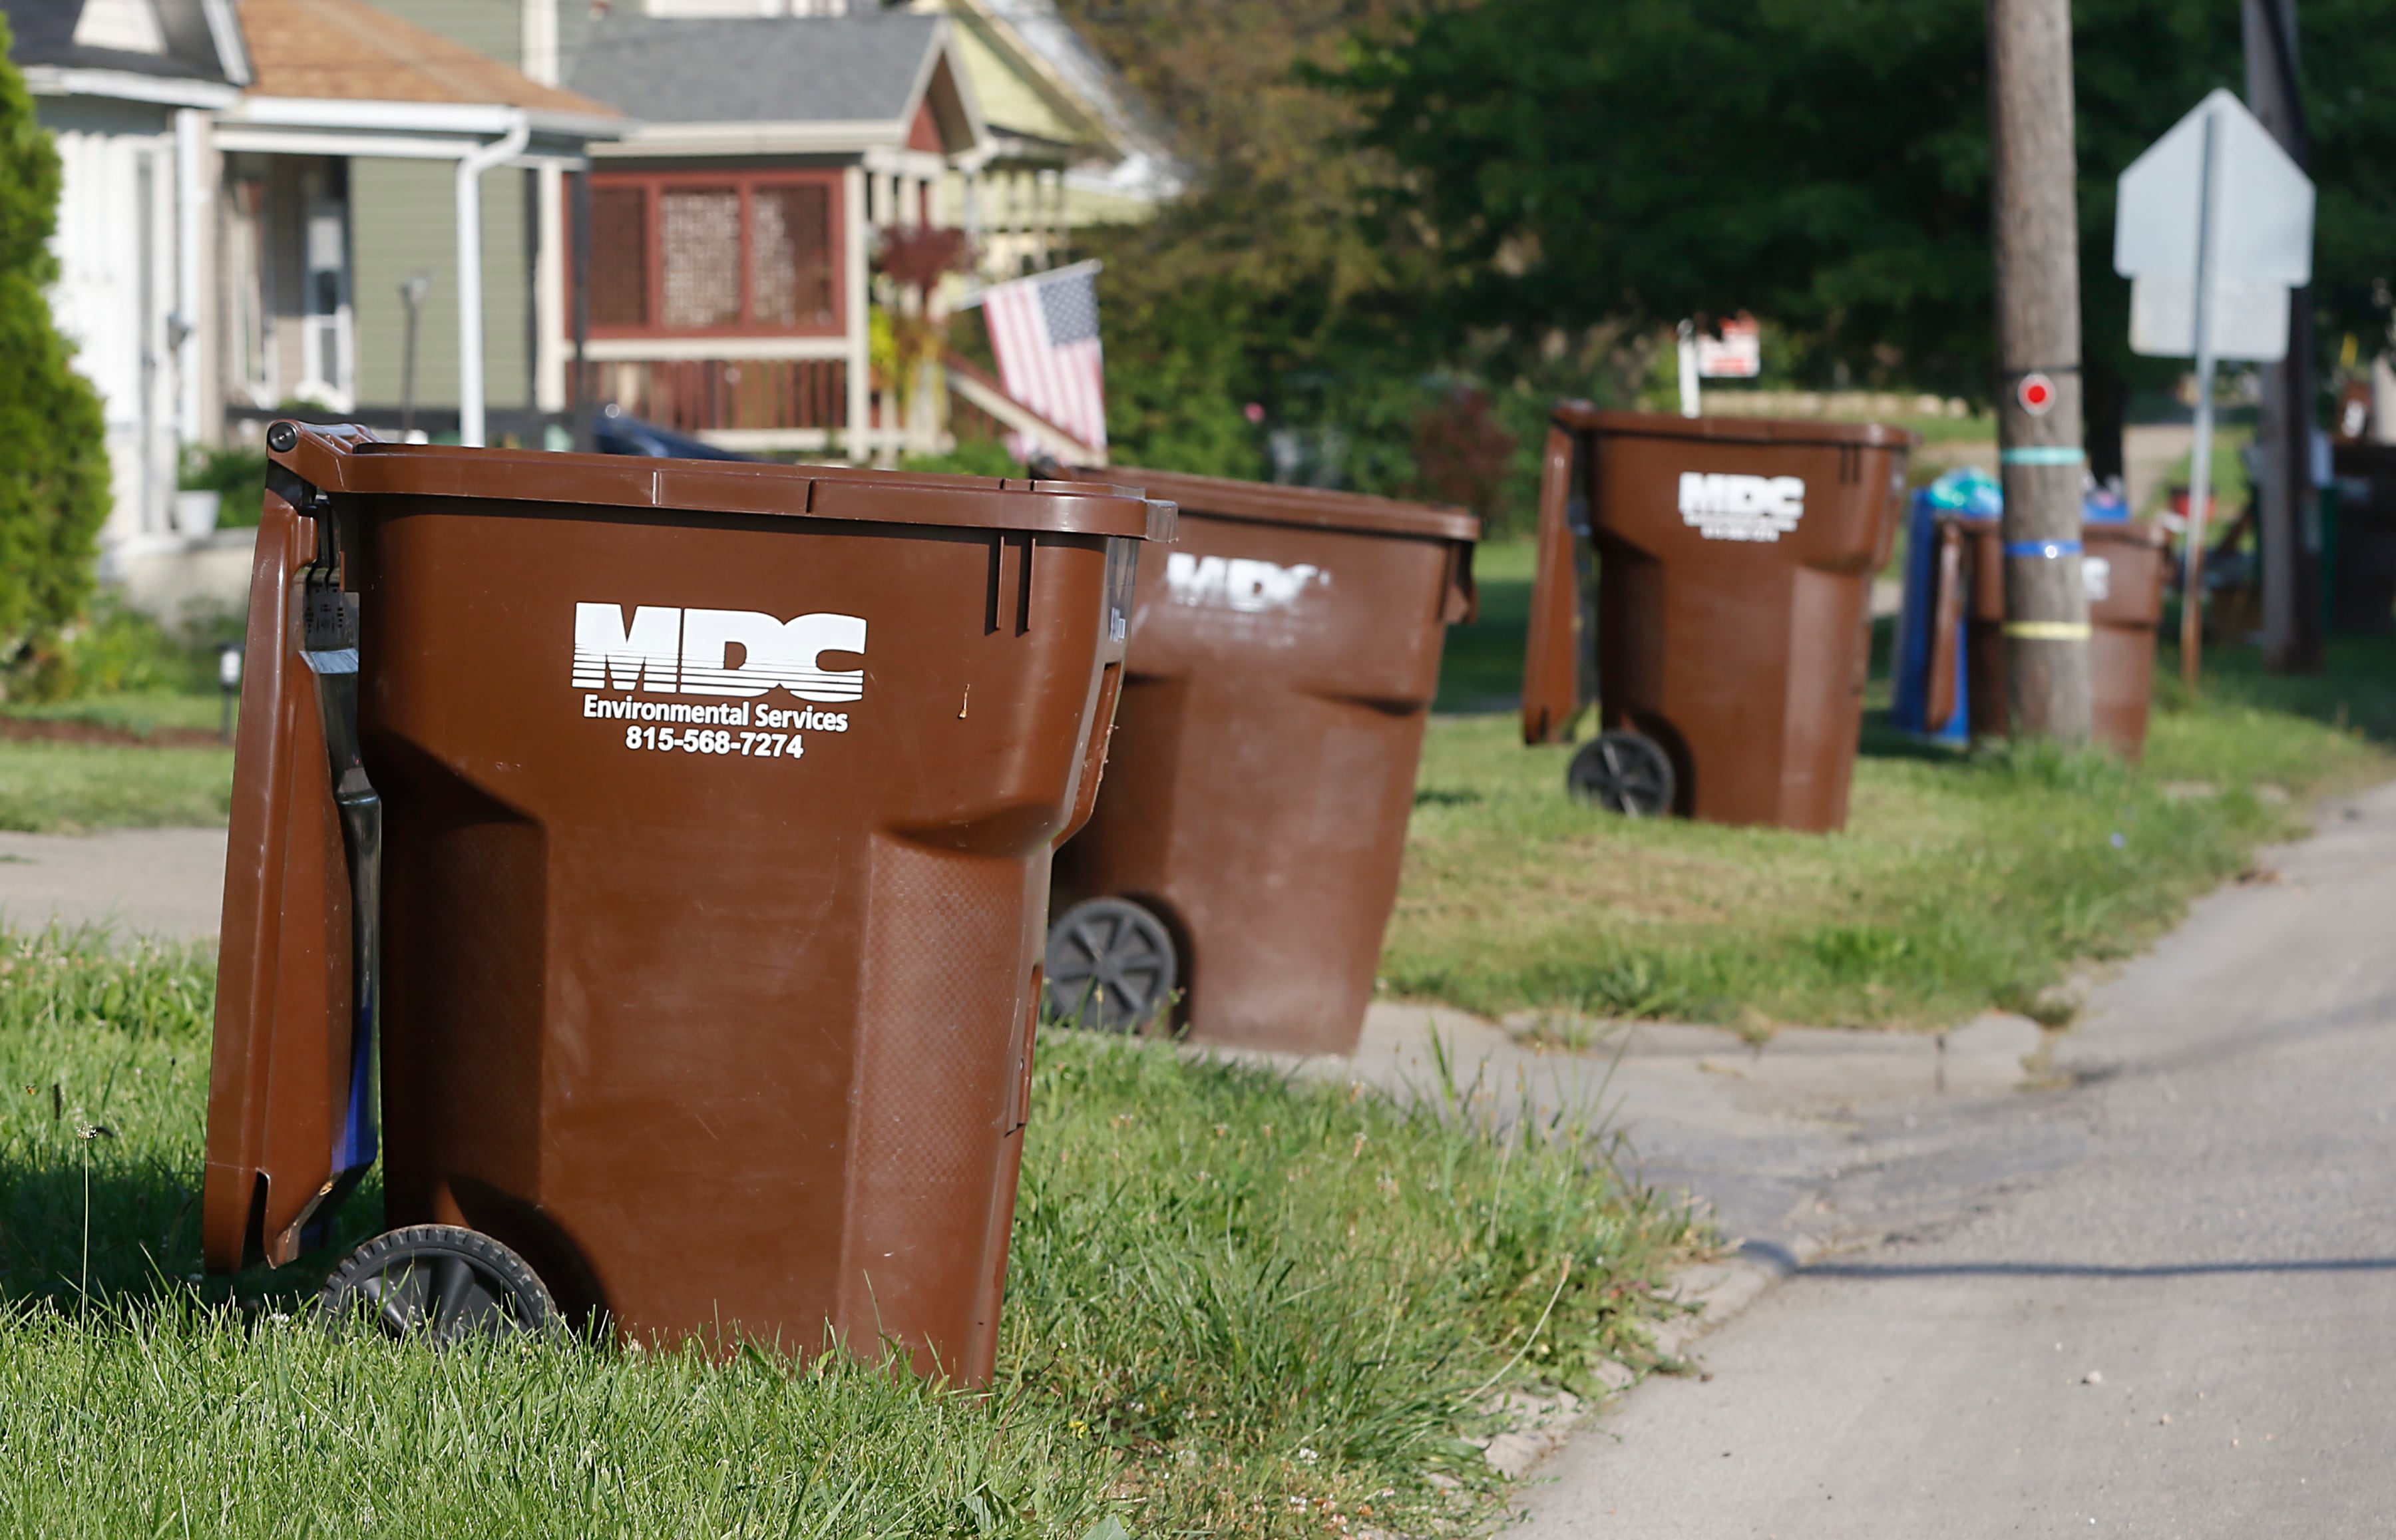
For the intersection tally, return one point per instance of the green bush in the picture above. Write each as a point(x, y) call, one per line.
point(234, 474)
point(970, 457)
point(118, 650)
point(54, 478)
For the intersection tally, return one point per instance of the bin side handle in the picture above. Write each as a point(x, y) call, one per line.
point(1094, 754)
point(1551, 657)
point(1946, 619)
point(280, 1054)
point(291, 1114)
point(1461, 606)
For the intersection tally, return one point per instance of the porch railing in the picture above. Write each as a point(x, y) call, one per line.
point(702, 395)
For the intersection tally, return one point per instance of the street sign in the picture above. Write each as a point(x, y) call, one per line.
point(2213, 227)
point(1736, 354)
point(2216, 181)
point(2250, 320)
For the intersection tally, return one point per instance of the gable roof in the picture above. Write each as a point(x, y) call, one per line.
point(1116, 148)
point(350, 50)
point(194, 45)
point(862, 78)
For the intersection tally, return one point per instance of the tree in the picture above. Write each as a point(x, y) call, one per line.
point(1263, 285)
point(54, 475)
point(1823, 164)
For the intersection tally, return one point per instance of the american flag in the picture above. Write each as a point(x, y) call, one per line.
point(1044, 330)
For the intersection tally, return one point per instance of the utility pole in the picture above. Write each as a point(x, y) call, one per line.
point(2289, 505)
point(2035, 223)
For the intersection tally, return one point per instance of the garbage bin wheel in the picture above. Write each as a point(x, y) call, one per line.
point(1110, 964)
point(436, 1283)
point(1627, 772)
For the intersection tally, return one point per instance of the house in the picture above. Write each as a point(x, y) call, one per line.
point(1067, 150)
point(391, 248)
point(127, 87)
point(732, 231)
point(281, 206)
point(372, 210)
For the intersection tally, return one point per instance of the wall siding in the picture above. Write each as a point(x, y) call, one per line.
point(489, 27)
point(402, 222)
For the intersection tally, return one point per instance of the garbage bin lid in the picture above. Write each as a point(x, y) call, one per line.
point(351, 460)
point(2144, 532)
point(1266, 502)
point(1582, 418)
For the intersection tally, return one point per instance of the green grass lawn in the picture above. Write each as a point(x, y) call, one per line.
point(1963, 880)
point(1237, 1306)
point(141, 712)
point(73, 788)
point(1482, 667)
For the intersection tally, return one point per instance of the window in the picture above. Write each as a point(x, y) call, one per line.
point(713, 254)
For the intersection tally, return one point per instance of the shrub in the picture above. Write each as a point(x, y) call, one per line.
point(236, 474)
point(54, 478)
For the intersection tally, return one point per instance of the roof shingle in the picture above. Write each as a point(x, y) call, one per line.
point(349, 51)
point(858, 68)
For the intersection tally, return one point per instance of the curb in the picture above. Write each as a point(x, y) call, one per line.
point(1716, 1293)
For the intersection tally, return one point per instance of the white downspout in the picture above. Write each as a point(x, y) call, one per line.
point(470, 273)
point(191, 302)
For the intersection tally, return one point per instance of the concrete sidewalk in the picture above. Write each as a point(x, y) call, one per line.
point(165, 883)
point(2156, 1301)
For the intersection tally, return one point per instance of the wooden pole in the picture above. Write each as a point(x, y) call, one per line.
point(2036, 242)
point(2289, 505)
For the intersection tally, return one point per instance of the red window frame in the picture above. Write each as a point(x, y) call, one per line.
point(654, 184)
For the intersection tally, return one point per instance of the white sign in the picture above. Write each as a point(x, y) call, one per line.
point(668, 651)
point(2097, 578)
point(1237, 583)
point(2219, 180)
point(1742, 508)
point(1737, 353)
point(2250, 320)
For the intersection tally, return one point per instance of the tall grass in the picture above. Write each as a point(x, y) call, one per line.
point(1961, 883)
point(71, 788)
point(1238, 1306)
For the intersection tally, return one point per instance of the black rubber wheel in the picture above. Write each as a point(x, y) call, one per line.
point(1111, 965)
point(436, 1283)
point(1627, 772)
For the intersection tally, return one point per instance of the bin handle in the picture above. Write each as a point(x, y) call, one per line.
point(330, 651)
point(291, 1114)
point(1946, 620)
point(1551, 656)
point(1462, 604)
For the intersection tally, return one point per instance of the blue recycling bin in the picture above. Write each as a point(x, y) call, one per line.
point(1973, 492)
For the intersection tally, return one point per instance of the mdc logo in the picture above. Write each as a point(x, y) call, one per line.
point(689, 652)
point(1742, 508)
point(1236, 583)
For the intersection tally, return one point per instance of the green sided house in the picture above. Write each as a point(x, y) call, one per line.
point(388, 244)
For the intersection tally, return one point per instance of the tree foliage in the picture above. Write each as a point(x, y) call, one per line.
point(54, 481)
point(1822, 163)
point(1268, 282)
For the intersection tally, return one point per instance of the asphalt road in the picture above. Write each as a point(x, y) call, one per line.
point(2160, 1301)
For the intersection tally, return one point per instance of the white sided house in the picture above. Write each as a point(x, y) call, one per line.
point(127, 87)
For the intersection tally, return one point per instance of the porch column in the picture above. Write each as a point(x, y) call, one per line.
point(852, 192)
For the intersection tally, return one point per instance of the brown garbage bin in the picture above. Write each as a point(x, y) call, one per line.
point(709, 811)
point(1726, 625)
point(2362, 575)
point(1245, 847)
point(2123, 567)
